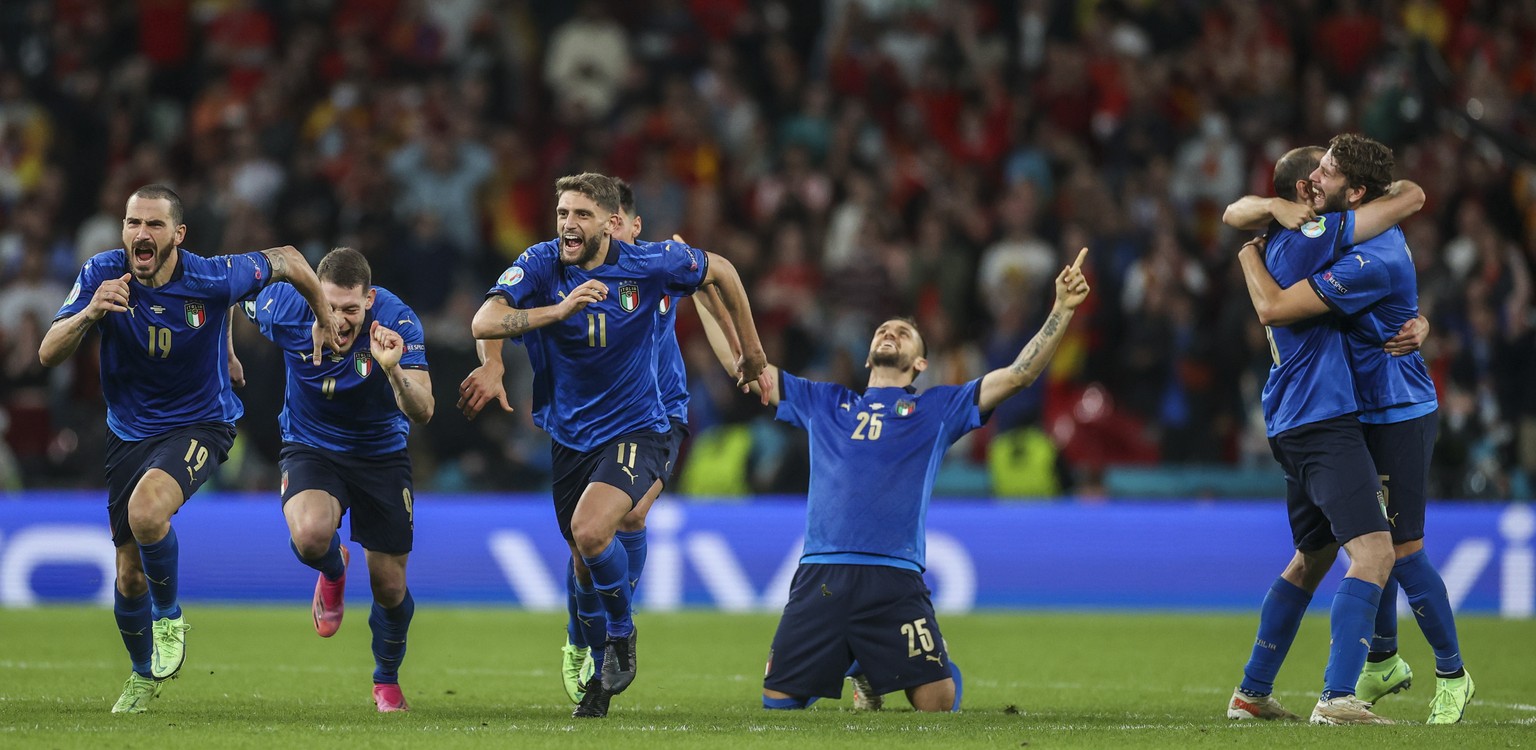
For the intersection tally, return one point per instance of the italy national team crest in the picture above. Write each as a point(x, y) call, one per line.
point(905, 407)
point(363, 363)
point(197, 315)
point(666, 304)
point(629, 295)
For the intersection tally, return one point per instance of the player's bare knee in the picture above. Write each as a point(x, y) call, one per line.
point(312, 539)
point(591, 538)
point(148, 523)
point(131, 582)
point(388, 594)
point(933, 697)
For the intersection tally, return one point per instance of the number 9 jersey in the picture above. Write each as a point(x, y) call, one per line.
point(165, 362)
point(345, 403)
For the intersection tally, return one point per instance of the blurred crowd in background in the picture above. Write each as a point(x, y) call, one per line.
point(855, 159)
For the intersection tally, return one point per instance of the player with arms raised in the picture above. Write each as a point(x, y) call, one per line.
point(585, 306)
point(345, 423)
point(170, 408)
point(859, 594)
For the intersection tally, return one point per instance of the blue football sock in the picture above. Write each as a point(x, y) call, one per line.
point(1279, 619)
point(133, 622)
point(1384, 633)
point(328, 563)
point(1431, 607)
point(610, 576)
point(573, 631)
point(954, 674)
point(634, 548)
point(160, 562)
point(389, 627)
point(1354, 609)
point(592, 622)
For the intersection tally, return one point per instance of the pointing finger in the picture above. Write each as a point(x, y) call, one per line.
point(1078, 264)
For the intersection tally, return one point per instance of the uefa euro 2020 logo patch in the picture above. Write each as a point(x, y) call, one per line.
point(511, 276)
point(1315, 228)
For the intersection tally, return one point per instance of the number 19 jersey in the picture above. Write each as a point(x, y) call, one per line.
point(165, 361)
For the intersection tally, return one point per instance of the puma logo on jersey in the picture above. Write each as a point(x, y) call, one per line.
point(934, 659)
point(1362, 259)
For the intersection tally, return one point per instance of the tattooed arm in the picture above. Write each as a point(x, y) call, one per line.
point(289, 265)
point(498, 319)
point(998, 385)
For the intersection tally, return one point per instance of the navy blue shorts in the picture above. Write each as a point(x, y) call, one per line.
point(189, 454)
point(1402, 453)
point(879, 615)
point(376, 489)
point(675, 439)
point(1331, 488)
point(630, 462)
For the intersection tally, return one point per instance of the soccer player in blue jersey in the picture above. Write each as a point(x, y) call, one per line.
point(1333, 494)
point(170, 409)
point(1371, 289)
point(858, 595)
point(585, 305)
point(344, 426)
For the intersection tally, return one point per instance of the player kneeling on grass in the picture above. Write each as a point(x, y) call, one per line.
point(345, 420)
point(858, 606)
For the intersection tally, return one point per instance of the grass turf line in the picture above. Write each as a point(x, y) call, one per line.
point(256, 677)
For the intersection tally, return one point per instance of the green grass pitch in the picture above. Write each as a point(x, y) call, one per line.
point(259, 677)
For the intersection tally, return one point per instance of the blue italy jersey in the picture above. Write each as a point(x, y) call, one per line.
point(873, 462)
point(594, 374)
point(1374, 286)
point(1310, 380)
point(344, 404)
point(671, 376)
point(165, 362)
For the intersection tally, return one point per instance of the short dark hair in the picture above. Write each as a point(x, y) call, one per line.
point(157, 191)
point(1297, 164)
point(1364, 163)
point(626, 197)
point(346, 268)
point(598, 187)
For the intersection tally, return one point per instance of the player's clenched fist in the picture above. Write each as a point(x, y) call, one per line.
point(387, 346)
point(590, 291)
point(111, 296)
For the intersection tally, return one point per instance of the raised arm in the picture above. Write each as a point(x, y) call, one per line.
point(65, 335)
point(289, 265)
point(484, 383)
point(998, 385)
point(733, 297)
point(1403, 199)
point(1275, 306)
point(1252, 212)
point(766, 385)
